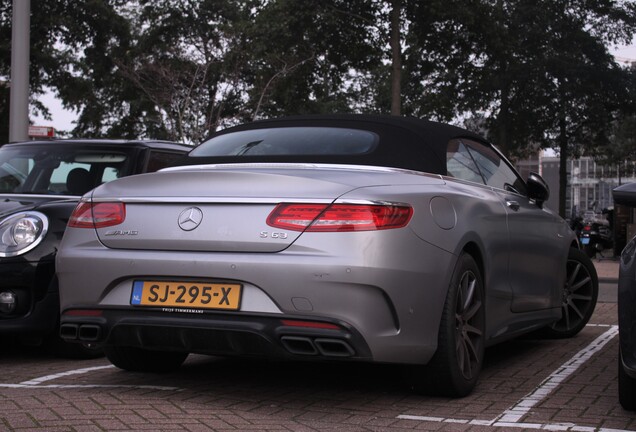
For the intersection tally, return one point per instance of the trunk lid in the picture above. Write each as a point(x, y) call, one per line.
point(223, 207)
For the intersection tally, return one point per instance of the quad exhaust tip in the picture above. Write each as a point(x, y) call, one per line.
point(80, 332)
point(319, 346)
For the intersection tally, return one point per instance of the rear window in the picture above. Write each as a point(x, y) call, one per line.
point(289, 141)
point(59, 170)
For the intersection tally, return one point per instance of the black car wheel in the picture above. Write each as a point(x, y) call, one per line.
point(626, 388)
point(578, 298)
point(455, 367)
point(141, 360)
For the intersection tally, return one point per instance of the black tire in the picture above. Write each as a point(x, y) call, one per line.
point(454, 369)
point(626, 388)
point(579, 296)
point(141, 360)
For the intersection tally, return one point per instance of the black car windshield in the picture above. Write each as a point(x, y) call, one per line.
point(289, 141)
point(55, 169)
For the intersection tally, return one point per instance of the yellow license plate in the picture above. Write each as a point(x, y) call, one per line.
point(198, 295)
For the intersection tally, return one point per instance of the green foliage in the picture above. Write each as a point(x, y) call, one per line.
point(620, 148)
point(537, 72)
point(534, 72)
point(306, 55)
point(521, 62)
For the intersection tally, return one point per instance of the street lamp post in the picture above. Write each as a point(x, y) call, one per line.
point(19, 91)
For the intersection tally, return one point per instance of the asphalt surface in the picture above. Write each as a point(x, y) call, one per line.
point(526, 384)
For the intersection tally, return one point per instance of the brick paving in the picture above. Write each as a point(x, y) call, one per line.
point(214, 394)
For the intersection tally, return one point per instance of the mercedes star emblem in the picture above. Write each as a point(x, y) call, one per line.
point(190, 218)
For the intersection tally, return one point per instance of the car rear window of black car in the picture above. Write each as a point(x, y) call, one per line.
point(59, 170)
point(289, 141)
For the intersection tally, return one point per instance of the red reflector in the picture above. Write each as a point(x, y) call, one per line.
point(339, 217)
point(83, 312)
point(97, 215)
point(587, 228)
point(310, 324)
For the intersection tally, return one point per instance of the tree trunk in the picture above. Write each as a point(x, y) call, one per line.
point(502, 122)
point(396, 51)
point(563, 159)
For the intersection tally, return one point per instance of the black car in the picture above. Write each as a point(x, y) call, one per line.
point(626, 195)
point(40, 185)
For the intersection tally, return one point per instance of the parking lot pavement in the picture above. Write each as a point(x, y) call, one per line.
point(607, 268)
point(526, 384)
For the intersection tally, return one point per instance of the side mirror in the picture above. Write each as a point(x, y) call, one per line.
point(538, 189)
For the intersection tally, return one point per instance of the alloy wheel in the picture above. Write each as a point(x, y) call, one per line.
point(577, 297)
point(468, 333)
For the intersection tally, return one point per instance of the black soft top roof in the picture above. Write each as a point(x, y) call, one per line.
point(405, 142)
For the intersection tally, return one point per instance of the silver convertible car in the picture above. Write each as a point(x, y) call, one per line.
point(349, 238)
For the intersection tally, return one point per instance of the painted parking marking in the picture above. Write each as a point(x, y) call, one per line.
point(37, 382)
point(511, 417)
point(523, 407)
point(74, 386)
point(569, 427)
point(40, 380)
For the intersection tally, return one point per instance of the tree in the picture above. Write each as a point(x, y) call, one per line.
point(68, 38)
point(396, 57)
point(539, 70)
point(619, 151)
point(92, 35)
point(185, 61)
point(311, 56)
point(181, 69)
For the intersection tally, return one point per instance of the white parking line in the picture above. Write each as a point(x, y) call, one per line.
point(523, 407)
point(511, 417)
point(40, 380)
point(73, 386)
point(37, 382)
point(569, 427)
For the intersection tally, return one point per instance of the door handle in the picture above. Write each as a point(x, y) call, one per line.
point(513, 205)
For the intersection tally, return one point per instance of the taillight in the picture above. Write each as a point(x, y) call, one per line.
point(339, 217)
point(97, 215)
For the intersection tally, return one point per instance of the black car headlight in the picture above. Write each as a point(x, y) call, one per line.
point(21, 232)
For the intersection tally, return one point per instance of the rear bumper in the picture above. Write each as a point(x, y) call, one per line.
point(216, 334)
point(390, 304)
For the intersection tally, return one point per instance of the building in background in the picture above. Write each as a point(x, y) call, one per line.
point(589, 189)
